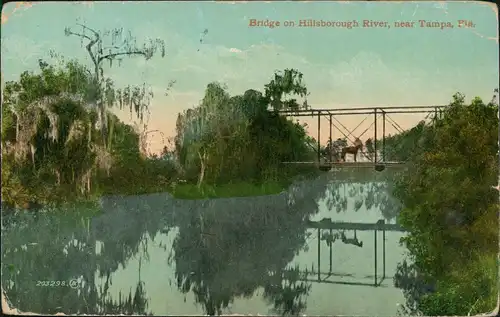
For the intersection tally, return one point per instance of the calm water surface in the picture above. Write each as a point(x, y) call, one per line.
point(157, 255)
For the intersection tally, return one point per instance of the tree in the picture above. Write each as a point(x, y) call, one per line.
point(52, 132)
point(285, 83)
point(136, 98)
point(241, 137)
point(52, 150)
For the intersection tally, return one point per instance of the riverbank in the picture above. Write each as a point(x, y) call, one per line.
point(188, 191)
point(238, 189)
point(62, 199)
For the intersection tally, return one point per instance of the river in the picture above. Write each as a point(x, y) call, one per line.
point(154, 254)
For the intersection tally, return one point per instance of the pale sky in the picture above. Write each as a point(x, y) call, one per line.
point(342, 67)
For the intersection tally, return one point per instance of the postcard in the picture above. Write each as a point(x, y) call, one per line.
point(250, 158)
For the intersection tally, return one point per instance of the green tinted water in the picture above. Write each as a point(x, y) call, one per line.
point(253, 255)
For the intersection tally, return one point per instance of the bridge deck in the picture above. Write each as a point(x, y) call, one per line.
point(346, 164)
point(328, 224)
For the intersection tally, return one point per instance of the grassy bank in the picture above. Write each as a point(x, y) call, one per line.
point(238, 189)
point(244, 188)
point(90, 204)
point(61, 199)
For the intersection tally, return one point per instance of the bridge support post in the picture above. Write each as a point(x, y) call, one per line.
point(319, 255)
point(319, 144)
point(330, 149)
point(383, 252)
point(383, 138)
point(375, 136)
point(375, 248)
point(331, 245)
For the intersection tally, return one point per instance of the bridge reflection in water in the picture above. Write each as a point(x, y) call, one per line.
point(327, 224)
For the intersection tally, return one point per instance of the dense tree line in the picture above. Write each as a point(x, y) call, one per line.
point(53, 146)
point(450, 210)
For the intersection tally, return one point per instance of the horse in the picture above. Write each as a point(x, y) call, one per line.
point(358, 144)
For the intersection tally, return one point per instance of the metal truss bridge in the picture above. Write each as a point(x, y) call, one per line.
point(380, 115)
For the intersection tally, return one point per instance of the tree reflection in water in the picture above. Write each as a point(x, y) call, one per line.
point(224, 249)
point(223, 252)
point(45, 247)
point(365, 188)
point(288, 293)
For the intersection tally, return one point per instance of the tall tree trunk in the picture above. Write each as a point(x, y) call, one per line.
point(17, 127)
point(58, 176)
point(32, 151)
point(202, 168)
point(110, 130)
point(99, 101)
point(102, 117)
point(88, 183)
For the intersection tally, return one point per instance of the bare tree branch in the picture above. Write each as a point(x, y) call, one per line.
point(120, 46)
point(69, 32)
point(96, 34)
point(113, 55)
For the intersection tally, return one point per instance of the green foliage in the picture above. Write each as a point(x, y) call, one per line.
point(286, 82)
point(370, 148)
point(400, 147)
point(451, 208)
point(45, 128)
point(470, 290)
point(236, 138)
point(52, 150)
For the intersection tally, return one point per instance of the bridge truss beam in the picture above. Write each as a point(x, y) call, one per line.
point(330, 114)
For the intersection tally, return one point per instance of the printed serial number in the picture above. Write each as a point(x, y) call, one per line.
point(56, 283)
